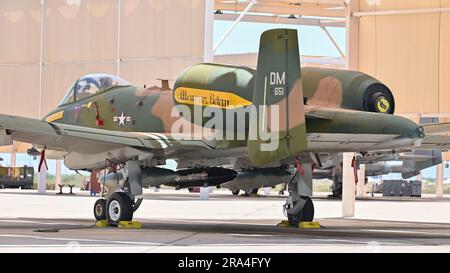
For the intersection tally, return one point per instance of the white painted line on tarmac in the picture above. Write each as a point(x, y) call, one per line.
point(357, 242)
point(405, 232)
point(38, 222)
point(79, 240)
point(56, 245)
point(251, 235)
point(396, 222)
point(231, 221)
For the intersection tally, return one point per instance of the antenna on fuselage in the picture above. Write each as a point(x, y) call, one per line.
point(164, 84)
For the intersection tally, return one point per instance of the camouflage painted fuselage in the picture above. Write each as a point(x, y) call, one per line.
point(330, 108)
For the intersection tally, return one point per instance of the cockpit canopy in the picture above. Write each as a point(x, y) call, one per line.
point(92, 84)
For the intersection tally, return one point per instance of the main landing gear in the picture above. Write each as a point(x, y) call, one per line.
point(299, 206)
point(306, 214)
point(235, 192)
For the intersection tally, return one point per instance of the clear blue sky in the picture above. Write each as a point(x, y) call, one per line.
point(245, 39)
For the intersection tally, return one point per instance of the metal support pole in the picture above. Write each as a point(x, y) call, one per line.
point(42, 179)
point(402, 12)
point(204, 193)
point(13, 154)
point(440, 181)
point(333, 41)
point(352, 48)
point(208, 55)
point(119, 18)
point(41, 56)
point(348, 186)
point(58, 173)
point(224, 37)
point(361, 189)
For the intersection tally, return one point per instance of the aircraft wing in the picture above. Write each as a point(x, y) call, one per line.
point(435, 136)
point(85, 147)
point(436, 128)
point(436, 142)
point(361, 142)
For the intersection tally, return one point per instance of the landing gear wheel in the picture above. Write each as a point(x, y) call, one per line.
point(119, 208)
point(251, 191)
point(305, 215)
point(235, 192)
point(100, 209)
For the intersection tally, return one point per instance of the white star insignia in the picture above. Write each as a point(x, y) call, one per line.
point(121, 119)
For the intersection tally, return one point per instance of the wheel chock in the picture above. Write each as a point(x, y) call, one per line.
point(122, 224)
point(129, 224)
point(102, 223)
point(309, 225)
point(283, 223)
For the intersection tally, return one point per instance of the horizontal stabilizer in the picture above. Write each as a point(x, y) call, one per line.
point(412, 168)
point(435, 142)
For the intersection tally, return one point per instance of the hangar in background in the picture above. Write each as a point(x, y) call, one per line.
point(48, 44)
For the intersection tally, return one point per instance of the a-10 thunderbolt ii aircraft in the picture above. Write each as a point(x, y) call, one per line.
point(103, 121)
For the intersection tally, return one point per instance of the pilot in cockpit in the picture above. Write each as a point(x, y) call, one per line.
point(105, 83)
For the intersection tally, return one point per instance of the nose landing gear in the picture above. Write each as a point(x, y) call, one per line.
point(119, 204)
point(119, 208)
point(100, 209)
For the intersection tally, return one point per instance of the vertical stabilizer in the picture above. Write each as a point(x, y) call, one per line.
point(278, 129)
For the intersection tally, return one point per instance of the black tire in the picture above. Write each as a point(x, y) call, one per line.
point(100, 209)
point(28, 187)
point(255, 191)
point(305, 215)
point(119, 208)
point(235, 192)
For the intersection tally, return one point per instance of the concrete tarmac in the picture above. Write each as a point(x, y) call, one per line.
point(178, 221)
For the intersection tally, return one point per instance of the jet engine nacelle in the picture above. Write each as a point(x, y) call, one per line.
point(231, 87)
point(346, 89)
